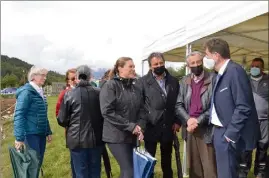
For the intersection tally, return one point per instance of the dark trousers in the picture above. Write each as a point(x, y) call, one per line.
point(123, 154)
point(72, 167)
point(87, 162)
point(37, 143)
point(201, 157)
point(166, 156)
point(227, 155)
point(261, 154)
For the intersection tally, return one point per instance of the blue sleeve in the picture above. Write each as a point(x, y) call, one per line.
point(48, 132)
point(22, 104)
point(242, 93)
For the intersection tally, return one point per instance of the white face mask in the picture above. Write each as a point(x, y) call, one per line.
point(209, 63)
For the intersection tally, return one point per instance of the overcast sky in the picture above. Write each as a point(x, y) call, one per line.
point(60, 35)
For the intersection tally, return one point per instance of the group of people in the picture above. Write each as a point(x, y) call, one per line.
point(223, 115)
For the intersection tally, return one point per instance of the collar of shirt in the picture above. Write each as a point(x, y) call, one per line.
point(155, 76)
point(257, 79)
point(223, 67)
point(199, 78)
point(36, 87)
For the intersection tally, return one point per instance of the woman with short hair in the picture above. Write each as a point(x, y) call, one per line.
point(31, 124)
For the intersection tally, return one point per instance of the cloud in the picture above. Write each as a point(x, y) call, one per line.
point(60, 35)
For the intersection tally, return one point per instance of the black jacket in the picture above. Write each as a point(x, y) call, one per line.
point(122, 109)
point(101, 83)
point(80, 114)
point(161, 108)
point(183, 104)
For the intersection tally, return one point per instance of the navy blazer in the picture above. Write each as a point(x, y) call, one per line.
point(235, 107)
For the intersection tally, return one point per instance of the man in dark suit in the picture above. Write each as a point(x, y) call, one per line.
point(160, 91)
point(233, 112)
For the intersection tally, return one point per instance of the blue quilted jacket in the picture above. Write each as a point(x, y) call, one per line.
point(30, 116)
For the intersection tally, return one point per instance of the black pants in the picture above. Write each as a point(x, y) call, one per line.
point(166, 155)
point(123, 153)
point(261, 154)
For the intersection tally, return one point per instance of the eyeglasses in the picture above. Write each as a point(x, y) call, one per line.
point(73, 79)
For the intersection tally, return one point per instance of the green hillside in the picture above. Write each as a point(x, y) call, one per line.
point(14, 72)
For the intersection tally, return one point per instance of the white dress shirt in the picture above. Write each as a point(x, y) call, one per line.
point(214, 116)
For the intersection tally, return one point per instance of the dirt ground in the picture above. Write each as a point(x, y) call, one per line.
point(7, 106)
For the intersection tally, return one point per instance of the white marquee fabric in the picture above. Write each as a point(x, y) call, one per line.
point(243, 24)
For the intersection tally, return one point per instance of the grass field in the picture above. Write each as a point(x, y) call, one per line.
point(56, 161)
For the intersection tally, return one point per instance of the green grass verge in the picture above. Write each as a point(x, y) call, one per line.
point(57, 160)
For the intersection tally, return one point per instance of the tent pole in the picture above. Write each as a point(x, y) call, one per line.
point(184, 165)
point(143, 67)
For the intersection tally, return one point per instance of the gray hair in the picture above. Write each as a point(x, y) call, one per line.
point(36, 71)
point(194, 53)
point(84, 72)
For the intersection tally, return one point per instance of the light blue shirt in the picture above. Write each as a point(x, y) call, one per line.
point(161, 82)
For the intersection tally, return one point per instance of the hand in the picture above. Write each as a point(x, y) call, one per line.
point(137, 130)
point(140, 136)
point(18, 144)
point(228, 140)
point(175, 128)
point(49, 138)
point(192, 122)
point(191, 129)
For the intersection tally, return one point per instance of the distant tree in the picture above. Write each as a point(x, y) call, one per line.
point(13, 80)
point(10, 81)
point(178, 73)
point(4, 81)
point(20, 69)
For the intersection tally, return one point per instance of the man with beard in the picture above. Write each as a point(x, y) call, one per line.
point(259, 82)
point(160, 91)
point(192, 108)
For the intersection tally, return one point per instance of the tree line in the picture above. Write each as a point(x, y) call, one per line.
point(14, 73)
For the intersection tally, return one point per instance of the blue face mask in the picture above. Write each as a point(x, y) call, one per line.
point(254, 71)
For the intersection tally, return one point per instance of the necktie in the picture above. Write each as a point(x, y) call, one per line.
point(213, 94)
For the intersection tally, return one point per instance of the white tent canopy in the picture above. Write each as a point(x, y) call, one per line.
point(244, 25)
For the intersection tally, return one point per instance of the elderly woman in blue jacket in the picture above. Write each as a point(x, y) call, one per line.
point(31, 124)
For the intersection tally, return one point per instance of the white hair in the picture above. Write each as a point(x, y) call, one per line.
point(194, 53)
point(36, 71)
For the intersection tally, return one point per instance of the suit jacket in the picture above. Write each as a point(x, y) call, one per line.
point(235, 106)
point(161, 108)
